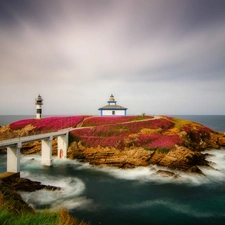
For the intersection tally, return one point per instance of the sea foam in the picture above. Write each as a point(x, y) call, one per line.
point(72, 195)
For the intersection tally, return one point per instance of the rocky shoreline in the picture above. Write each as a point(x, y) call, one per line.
point(184, 156)
point(180, 158)
point(18, 183)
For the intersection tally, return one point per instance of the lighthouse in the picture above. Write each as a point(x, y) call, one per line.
point(112, 109)
point(38, 103)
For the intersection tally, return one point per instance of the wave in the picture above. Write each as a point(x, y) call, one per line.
point(69, 197)
point(148, 174)
point(215, 173)
point(72, 193)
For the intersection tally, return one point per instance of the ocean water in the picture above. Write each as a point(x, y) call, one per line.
point(110, 196)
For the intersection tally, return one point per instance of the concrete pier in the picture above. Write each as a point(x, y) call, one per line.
point(14, 145)
point(13, 158)
point(46, 152)
point(62, 146)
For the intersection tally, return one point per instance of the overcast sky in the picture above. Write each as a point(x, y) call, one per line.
point(159, 57)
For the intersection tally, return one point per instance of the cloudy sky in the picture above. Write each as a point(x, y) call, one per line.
point(156, 56)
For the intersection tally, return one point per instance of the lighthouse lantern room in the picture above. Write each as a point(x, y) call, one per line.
point(38, 103)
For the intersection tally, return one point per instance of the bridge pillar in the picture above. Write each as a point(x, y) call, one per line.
point(46, 152)
point(63, 145)
point(13, 158)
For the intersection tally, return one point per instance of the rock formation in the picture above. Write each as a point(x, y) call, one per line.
point(24, 184)
point(129, 142)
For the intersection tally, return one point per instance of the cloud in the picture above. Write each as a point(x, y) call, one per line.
point(82, 50)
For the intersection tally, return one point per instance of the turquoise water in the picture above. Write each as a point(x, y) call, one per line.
point(112, 196)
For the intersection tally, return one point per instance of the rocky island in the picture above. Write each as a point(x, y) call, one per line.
point(126, 141)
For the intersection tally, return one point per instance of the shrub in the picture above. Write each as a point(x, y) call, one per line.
point(150, 131)
point(107, 120)
point(163, 150)
point(21, 124)
point(48, 124)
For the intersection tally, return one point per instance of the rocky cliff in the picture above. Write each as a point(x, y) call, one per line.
point(128, 142)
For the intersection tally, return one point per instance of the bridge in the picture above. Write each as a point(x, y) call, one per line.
point(14, 145)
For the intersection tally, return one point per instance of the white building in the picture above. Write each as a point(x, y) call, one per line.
point(112, 109)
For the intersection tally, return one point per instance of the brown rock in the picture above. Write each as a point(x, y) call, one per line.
point(127, 158)
point(23, 184)
point(35, 147)
point(157, 157)
point(180, 158)
point(31, 148)
point(221, 141)
point(213, 141)
point(13, 201)
point(194, 169)
point(186, 158)
point(183, 159)
point(166, 173)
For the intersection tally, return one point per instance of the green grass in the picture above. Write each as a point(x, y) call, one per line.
point(39, 218)
point(15, 211)
point(163, 150)
point(29, 218)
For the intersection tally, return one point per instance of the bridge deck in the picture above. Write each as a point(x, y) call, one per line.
point(15, 141)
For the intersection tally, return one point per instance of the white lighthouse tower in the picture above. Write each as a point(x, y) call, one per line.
point(38, 103)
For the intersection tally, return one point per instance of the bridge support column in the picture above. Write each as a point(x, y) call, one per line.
point(46, 152)
point(13, 158)
point(63, 145)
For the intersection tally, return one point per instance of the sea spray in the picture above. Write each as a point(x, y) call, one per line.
point(109, 195)
point(142, 174)
point(70, 196)
point(216, 171)
point(72, 190)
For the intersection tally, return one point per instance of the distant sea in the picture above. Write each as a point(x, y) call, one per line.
point(109, 196)
point(7, 119)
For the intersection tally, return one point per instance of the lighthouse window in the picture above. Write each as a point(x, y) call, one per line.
point(113, 112)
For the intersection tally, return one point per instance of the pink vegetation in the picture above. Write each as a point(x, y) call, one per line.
point(48, 124)
point(154, 141)
point(117, 135)
point(100, 120)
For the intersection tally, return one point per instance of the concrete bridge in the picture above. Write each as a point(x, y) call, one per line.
point(14, 145)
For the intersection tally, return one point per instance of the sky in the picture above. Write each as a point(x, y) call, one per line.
point(158, 57)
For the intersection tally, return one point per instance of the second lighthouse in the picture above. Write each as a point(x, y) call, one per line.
point(38, 103)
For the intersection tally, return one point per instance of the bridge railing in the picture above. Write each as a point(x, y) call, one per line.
point(31, 133)
point(25, 139)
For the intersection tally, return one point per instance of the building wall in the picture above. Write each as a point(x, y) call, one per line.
point(110, 112)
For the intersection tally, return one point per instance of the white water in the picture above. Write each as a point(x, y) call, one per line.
point(72, 195)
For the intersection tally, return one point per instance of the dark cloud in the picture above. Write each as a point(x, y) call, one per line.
point(82, 50)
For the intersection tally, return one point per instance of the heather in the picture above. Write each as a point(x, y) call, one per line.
point(48, 124)
point(128, 134)
point(121, 131)
point(102, 120)
point(154, 141)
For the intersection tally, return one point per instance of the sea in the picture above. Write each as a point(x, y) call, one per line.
point(112, 196)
